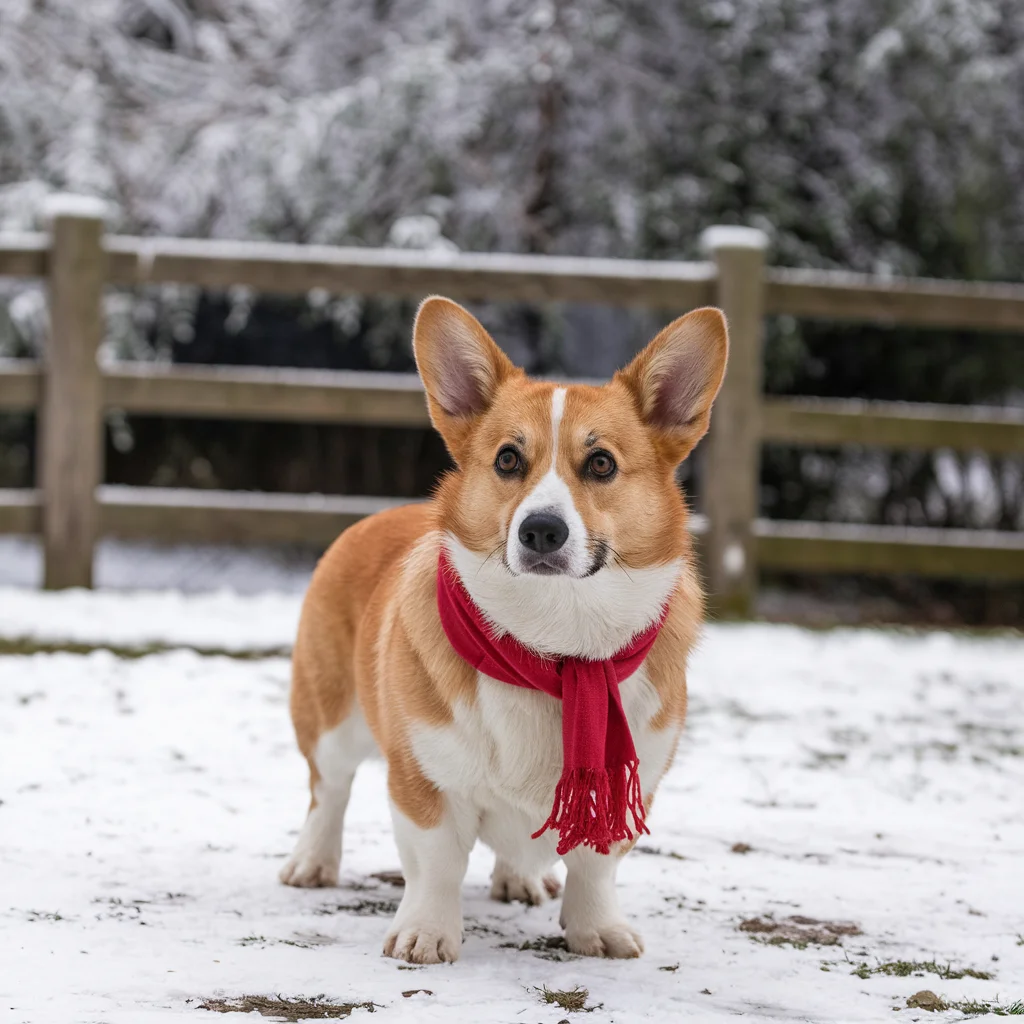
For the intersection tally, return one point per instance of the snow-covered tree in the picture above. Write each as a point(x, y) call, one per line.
point(878, 135)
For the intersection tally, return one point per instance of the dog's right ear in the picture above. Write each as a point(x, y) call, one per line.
point(460, 364)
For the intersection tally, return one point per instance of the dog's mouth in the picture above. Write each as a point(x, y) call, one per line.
point(557, 564)
point(545, 565)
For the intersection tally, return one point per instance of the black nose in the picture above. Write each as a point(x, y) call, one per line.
point(543, 532)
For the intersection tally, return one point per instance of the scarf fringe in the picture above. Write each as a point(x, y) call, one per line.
point(590, 808)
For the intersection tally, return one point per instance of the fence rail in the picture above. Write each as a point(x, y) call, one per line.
point(70, 393)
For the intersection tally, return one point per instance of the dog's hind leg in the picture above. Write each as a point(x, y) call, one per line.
point(332, 767)
point(522, 866)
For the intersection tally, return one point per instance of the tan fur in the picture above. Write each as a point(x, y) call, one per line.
point(370, 633)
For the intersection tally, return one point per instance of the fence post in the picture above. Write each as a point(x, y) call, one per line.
point(71, 410)
point(732, 462)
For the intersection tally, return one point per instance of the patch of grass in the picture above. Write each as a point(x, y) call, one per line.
point(906, 968)
point(23, 646)
point(977, 1007)
point(316, 1008)
point(926, 1000)
point(574, 1000)
point(1020, 940)
point(307, 942)
point(44, 915)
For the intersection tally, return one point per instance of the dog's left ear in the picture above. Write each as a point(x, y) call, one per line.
point(675, 379)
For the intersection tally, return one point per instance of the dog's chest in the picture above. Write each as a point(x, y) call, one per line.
point(507, 745)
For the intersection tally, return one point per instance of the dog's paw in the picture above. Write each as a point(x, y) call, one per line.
point(616, 940)
point(509, 887)
point(309, 872)
point(422, 943)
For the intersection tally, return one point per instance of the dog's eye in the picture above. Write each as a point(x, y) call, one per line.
point(601, 465)
point(508, 461)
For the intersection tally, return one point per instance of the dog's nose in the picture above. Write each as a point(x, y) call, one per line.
point(543, 532)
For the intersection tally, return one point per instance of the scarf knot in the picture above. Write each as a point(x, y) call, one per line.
point(599, 788)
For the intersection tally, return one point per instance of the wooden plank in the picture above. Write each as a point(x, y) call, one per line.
point(19, 385)
point(829, 421)
point(732, 456)
point(228, 392)
point(71, 412)
point(234, 517)
point(889, 550)
point(499, 277)
point(911, 302)
point(250, 517)
point(23, 254)
point(20, 511)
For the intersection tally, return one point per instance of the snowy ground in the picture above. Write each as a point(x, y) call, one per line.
point(146, 805)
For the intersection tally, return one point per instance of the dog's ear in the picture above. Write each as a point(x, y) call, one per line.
point(460, 364)
point(675, 379)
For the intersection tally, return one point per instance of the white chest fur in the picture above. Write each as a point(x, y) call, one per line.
point(506, 748)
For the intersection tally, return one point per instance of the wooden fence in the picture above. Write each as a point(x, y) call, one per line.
point(71, 393)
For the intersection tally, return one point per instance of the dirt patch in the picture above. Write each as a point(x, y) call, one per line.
point(471, 927)
point(317, 1008)
point(798, 931)
point(361, 908)
point(390, 878)
point(740, 848)
point(926, 1000)
point(654, 851)
point(574, 1000)
point(118, 909)
point(547, 947)
point(307, 940)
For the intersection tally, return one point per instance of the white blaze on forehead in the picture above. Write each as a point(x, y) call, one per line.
point(552, 494)
point(557, 409)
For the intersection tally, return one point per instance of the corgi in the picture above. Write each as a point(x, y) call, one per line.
point(557, 547)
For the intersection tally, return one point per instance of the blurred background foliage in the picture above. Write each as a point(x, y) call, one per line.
point(884, 136)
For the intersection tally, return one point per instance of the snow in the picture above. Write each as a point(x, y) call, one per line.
point(131, 565)
point(727, 236)
point(220, 621)
point(63, 204)
point(146, 805)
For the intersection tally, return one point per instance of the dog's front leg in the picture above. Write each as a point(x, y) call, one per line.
point(427, 928)
point(593, 923)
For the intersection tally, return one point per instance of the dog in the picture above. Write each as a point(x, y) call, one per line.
point(519, 639)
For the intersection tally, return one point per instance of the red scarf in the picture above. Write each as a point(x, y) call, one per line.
point(600, 771)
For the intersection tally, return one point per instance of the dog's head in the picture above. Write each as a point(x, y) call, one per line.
point(563, 494)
